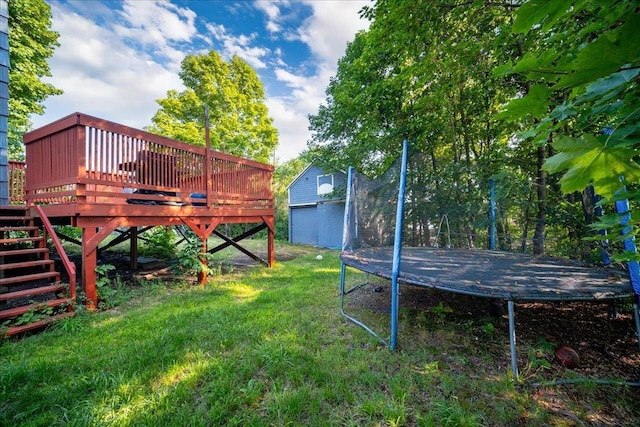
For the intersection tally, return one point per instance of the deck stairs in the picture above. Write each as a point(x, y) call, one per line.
point(31, 292)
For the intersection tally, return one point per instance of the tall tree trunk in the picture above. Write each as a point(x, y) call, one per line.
point(575, 229)
point(434, 165)
point(503, 233)
point(525, 229)
point(541, 190)
point(588, 205)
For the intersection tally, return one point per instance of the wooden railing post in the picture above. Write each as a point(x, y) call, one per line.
point(81, 168)
point(207, 157)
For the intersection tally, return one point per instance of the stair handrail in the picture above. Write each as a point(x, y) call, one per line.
point(69, 266)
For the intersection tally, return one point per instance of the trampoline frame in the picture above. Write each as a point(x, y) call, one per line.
point(632, 269)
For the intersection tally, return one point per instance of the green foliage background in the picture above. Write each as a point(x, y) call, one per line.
point(234, 96)
point(541, 96)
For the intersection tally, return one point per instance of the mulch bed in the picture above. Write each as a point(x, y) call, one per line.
point(605, 340)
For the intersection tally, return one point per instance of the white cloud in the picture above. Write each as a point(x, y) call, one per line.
point(114, 63)
point(326, 32)
point(332, 24)
point(292, 127)
point(156, 25)
point(164, 18)
point(239, 46)
point(101, 75)
point(272, 10)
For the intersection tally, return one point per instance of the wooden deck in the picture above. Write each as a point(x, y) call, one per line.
point(99, 176)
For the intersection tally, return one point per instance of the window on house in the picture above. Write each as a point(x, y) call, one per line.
point(325, 184)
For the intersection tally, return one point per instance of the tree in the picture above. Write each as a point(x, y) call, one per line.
point(235, 97)
point(31, 42)
point(284, 175)
point(423, 72)
point(584, 94)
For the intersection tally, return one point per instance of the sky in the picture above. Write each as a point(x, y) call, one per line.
point(116, 58)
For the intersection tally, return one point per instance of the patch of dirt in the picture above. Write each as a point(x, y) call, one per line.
point(152, 269)
point(607, 346)
point(605, 340)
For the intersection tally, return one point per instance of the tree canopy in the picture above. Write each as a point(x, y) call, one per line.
point(516, 92)
point(585, 95)
point(31, 43)
point(235, 98)
point(593, 65)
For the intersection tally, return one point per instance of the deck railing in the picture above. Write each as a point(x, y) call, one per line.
point(16, 182)
point(81, 158)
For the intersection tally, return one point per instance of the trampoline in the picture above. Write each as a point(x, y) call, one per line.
point(503, 275)
point(372, 244)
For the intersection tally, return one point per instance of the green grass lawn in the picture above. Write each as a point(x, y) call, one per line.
point(266, 346)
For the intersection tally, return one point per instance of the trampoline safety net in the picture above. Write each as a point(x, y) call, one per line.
point(370, 219)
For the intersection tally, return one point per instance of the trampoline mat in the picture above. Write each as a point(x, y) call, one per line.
point(504, 275)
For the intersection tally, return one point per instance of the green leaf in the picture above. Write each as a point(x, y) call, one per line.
point(606, 84)
point(503, 70)
point(559, 162)
point(606, 55)
point(534, 104)
point(536, 62)
point(563, 112)
point(539, 12)
point(593, 162)
point(569, 144)
point(589, 65)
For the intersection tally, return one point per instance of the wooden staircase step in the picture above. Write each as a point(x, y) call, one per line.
point(27, 264)
point(13, 218)
point(14, 330)
point(30, 277)
point(33, 291)
point(14, 208)
point(23, 251)
point(32, 266)
point(7, 228)
point(17, 311)
point(21, 240)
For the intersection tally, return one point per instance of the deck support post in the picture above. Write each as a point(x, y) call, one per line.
point(89, 263)
point(270, 222)
point(271, 251)
point(202, 274)
point(133, 247)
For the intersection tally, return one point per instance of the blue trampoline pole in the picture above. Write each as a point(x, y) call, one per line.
point(622, 207)
point(397, 249)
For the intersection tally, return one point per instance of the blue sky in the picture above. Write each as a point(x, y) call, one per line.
point(117, 57)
